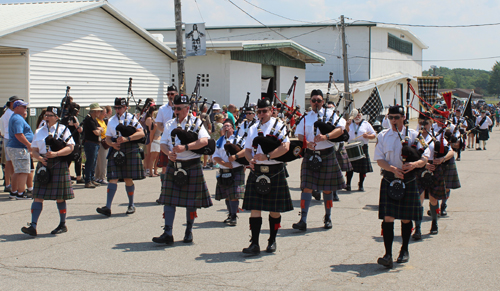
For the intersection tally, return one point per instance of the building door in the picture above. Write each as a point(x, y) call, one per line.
point(268, 77)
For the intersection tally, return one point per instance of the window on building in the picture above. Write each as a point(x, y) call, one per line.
point(400, 45)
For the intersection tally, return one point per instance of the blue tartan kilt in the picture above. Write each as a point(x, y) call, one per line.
point(278, 200)
point(133, 168)
point(59, 187)
point(450, 173)
point(235, 191)
point(363, 165)
point(328, 178)
point(343, 159)
point(407, 208)
point(194, 194)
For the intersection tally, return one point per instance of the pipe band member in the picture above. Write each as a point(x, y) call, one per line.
point(483, 123)
point(362, 131)
point(388, 154)
point(124, 157)
point(320, 169)
point(58, 184)
point(165, 113)
point(269, 172)
point(184, 183)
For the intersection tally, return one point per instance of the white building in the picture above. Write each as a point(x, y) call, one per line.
point(230, 69)
point(87, 45)
point(378, 55)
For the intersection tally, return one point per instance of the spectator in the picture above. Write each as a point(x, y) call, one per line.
point(92, 132)
point(18, 149)
point(215, 111)
point(231, 113)
point(154, 142)
point(208, 127)
point(4, 127)
point(149, 126)
point(216, 133)
point(100, 168)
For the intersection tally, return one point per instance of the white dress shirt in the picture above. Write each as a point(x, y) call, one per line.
point(115, 120)
point(266, 129)
point(221, 153)
point(485, 124)
point(310, 119)
point(165, 113)
point(356, 131)
point(166, 138)
point(42, 132)
point(4, 123)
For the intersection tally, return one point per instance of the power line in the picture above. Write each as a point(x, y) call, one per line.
point(474, 59)
point(426, 25)
point(284, 17)
point(208, 33)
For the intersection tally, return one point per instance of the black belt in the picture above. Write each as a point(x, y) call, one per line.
point(95, 142)
point(268, 169)
point(390, 176)
point(185, 163)
point(229, 170)
point(323, 152)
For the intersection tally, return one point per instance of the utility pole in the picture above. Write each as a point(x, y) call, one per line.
point(346, 68)
point(180, 50)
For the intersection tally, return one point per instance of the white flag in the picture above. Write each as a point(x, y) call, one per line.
point(196, 41)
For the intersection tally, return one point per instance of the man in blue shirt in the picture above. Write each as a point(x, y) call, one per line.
point(18, 149)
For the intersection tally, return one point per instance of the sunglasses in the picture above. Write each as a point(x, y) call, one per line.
point(250, 113)
point(227, 126)
point(262, 111)
point(170, 94)
point(49, 115)
point(397, 117)
point(316, 100)
point(178, 108)
point(423, 122)
point(118, 107)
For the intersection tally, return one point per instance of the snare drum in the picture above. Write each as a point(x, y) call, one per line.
point(355, 151)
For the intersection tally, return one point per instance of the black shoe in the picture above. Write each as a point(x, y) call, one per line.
point(60, 229)
point(336, 197)
point(271, 247)
point(434, 227)
point(228, 219)
point(232, 222)
point(104, 211)
point(478, 149)
point(328, 223)
point(253, 249)
point(348, 188)
point(484, 148)
point(29, 230)
point(386, 261)
point(188, 237)
point(316, 195)
point(404, 257)
point(301, 225)
point(429, 213)
point(360, 187)
point(417, 235)
point(443, 209)
point(164, 239)
point(24, 196)
point(130, 210)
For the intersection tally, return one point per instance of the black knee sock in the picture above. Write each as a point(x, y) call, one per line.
point(361, 178)
point(255, 225)
point(388, 233)
point(405, 234)
point(274, 225)
point(349, 175)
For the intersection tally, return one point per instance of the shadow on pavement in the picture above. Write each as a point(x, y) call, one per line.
point(95, 216)
point(211, 224)
point(147, 246)
point(230, 257)
point(371, 207)
point(23, 236)
point(141, 204)
point(296, 232)
point(361, 270)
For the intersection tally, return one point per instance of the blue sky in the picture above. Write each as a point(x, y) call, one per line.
point(444, 43)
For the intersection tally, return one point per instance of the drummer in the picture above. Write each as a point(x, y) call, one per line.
point(360, 131)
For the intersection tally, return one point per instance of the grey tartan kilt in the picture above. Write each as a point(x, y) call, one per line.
point(343, 159)
point(194, 194)
point(483, 134)
point(329, 178)
point(133, 168)
point(363, 165)
point(407, 208)
point(278, 200)
point(438, 189)
point(59, 188)
point(235, 191)
point(450, 173)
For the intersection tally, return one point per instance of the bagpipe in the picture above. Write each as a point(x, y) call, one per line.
point(326, 127)
point(55, 141)
point(274, 139)
point(237, 144)
point(245, 106)
point(127, 127)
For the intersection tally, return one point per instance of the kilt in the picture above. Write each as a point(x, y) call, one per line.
point(162, 160)
point(194, 194)
point(133, 168)
point(60, 185)
point(407, 208)
point(343, 159)
point(278, 200)
point(235, 191)
point(329, 177)
point(483, 134)
point(363, 165)
point(450, 173)
point(438, 189)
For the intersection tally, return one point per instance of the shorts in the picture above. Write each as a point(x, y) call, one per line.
point(155, 146)
point(5, 156)
point(21, 159)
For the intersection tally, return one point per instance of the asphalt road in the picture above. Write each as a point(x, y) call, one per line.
point(116, 253)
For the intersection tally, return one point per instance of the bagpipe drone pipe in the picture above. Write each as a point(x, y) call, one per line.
point(128, 127)
point(236, 146)
point(327, 127)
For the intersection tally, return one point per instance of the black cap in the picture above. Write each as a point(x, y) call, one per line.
point(53, 109)
point(172, 88)
point(330, 103)
point(120, 102)
point(12, 99)
point(316, 92)
point(181, 99)
point(397, 109)
point(264, 103)
point(228, 120)
point(250, 108)
point(424, 116)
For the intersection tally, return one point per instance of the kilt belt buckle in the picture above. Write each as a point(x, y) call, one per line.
point(225, 177)
point(315, 161)
point(396, 190)
point(119, 158)
point(181, 177)
point(264, 169)
point(263, 184)
point(427, 178)
point(43, 175)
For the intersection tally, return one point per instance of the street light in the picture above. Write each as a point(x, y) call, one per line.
point(434, 70)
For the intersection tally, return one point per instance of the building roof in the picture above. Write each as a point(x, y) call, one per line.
point(408, 33)
point(19, 16)
point(288, 47)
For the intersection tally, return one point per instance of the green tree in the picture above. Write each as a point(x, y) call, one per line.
point(494, 82)
point(447, 83)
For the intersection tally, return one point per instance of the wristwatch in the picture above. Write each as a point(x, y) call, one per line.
point(268, 157)
point(128, 137)
point(327, 136)
point(236, 156)
point(186, 147)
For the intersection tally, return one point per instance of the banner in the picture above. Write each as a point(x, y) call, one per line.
point(428, 89)
point(373, 106)
point(196, 41)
